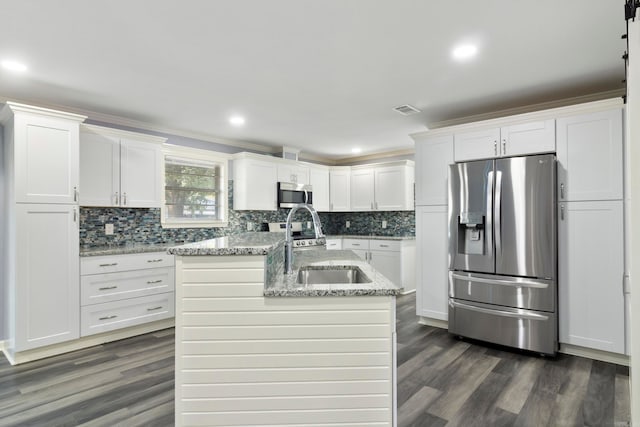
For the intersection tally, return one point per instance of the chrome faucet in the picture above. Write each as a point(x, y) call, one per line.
point(317, 228)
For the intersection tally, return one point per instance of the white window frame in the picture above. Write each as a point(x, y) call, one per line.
point(197, 155)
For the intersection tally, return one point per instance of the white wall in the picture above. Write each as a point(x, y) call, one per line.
point(633, 141)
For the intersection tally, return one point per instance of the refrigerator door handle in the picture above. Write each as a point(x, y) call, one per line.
point(497, 206)
point(520, 314)
point(519, 284)
point(489, 227)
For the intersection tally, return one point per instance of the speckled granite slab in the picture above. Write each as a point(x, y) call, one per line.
point(281, 285)
point(125, 249)
point(360, 236)
point(257, 243)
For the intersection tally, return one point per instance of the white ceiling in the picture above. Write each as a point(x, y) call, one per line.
point(322, 76)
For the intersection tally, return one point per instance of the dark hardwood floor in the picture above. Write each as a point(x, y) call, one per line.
point(441, 381)
point(445, 381)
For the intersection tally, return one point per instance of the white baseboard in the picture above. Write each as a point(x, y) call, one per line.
point(427, 321)
point(85, 342)
point(589, 353)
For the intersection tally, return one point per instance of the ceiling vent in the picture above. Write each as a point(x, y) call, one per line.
point(290, 153)
point(406, 110)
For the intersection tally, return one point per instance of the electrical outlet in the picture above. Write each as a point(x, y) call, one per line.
point(249, 226)
point(108, 229)
point(348, 224)
point(384, 224)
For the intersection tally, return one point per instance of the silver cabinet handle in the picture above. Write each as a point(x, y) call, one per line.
point(504, 147)
point(116, 199)
point(106, 288)
point(108, 265)
point(75, 215)
point(155, 260)
point(75, 194)
point(562, 212)
point(151, 282)
point(376, 205)
point(330, 206)
point(562, 191)
point(371, 205)
point(355, 244)
point(113, 316)
point(495, 148)
point(154, 308)
point(124, 198)
point(384, 246)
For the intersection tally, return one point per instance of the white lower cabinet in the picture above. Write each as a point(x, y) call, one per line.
point(395, 259)
point(45, 290)
point(125, 290)
point(590, 266)
point(432, 293)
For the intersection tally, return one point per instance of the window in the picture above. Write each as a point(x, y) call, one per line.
point(195, 188)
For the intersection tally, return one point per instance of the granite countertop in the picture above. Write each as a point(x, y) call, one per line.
point(256, 243)
point(368, 237)
point(125, 249)
point(282, 285)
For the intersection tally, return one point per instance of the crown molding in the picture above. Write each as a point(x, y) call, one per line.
point(565, 102)
point(374, 156)
point(137, 124)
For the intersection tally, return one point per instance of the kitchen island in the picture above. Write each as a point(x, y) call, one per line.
point(254, 347)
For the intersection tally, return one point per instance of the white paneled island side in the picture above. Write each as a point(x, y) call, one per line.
point(254, 347)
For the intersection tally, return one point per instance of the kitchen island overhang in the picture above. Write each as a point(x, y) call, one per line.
point(255, 347)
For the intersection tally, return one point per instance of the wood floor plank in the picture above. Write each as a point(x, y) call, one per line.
point(622, 407)
point(599, 403)
point(411, 410)
point(515, 394)
point(567, 410)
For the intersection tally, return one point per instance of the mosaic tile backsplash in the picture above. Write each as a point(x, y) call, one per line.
point(142, 225)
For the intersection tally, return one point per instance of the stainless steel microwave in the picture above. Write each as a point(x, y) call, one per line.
point(291, 194)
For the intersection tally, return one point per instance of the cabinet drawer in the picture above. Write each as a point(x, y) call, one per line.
point(385, 245)
point(334, 244)
point(109, 316)
point(355, 244)
point(99, 288)
point(116, 263)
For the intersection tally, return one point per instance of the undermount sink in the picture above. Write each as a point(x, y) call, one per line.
point(312, 275)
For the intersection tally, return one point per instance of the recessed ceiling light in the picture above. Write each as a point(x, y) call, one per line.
point(236, 120)
point(356, 150)
point(14, 66)
point(464, 51)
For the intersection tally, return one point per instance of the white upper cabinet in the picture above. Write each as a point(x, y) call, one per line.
point(590, 156)
point(45, 153)
point(510, 140)
point(319, 180)
point(394, 188)
point(433, 157)
point(362, 189)
point(254, 184)
point(590, 269)
point(383, 187)
point(141, 178)
point(119, 168)
point(340, 189)
point(291, 172)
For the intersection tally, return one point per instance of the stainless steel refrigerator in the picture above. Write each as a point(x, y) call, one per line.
point(503, 252)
